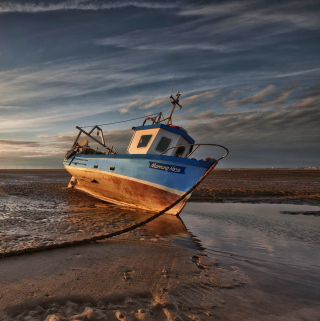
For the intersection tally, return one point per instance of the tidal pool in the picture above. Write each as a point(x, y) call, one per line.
point(257, 231)
point(277, 245)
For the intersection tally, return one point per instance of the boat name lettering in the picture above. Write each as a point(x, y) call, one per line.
point(167, 168)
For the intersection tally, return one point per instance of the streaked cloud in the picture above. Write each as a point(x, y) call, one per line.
point(156, 103)
point(137, 102)
point(46, 6)
point(196, 98)
point(280, 99)
point(257, 97)
point(199, 116)
point(307, 102)
point(297, 73)
point(10, 107)
point(252, 13)
point(230, 7)
point(266, 129)
point(248, 72)
point(124, 110)
point(8, 142)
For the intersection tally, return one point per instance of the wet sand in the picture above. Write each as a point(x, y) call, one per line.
point(117, 280)
point(140, 275)
point(295, 186)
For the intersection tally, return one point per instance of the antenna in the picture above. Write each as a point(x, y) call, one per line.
point(174, 77)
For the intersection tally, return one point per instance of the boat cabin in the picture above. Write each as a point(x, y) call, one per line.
point(159, 139)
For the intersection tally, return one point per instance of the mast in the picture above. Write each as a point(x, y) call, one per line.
point(174, 102)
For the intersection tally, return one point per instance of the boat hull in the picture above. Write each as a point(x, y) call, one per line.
point(150, 183)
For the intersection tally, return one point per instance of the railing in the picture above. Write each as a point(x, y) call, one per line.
point(86, 150)
point(198, 145)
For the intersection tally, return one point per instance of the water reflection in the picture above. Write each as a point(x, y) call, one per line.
point(107, 217)
point(95, 217)
point(167, 225)
point(257, 232)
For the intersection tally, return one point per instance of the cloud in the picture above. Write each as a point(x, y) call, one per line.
point(233, 26)
point(203, 116)
point(263, 130)
point(35, 7)
point(18, 154)
point(225, 45)
point(10, 107)
point(296, 73)
point(307, 102)
point(54, 92)
point(156, 103)
point(62, 142)
point(64, 138)
point(203, 96)
point(217, 9)
point(32, 121)
point(124, 110)
point(48, 146)
point(137, 102)
point(120, 138)
point(47, 154)
point(233, 93)
point(281, 98)
point(253, 13)
point(8, 142)
point(257, 97)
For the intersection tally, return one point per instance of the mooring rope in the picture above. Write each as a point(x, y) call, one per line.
point(106, 236)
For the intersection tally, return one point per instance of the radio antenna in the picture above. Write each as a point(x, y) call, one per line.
point(174, 77)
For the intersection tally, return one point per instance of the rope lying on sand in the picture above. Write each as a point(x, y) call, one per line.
point(112, 234)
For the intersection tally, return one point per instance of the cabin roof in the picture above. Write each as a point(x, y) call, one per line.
point(168, 128)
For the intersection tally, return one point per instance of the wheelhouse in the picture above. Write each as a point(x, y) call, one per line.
point(158, 138)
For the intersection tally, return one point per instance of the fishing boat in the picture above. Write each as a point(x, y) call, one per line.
point(156, 170)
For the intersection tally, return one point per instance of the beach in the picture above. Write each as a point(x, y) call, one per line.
point(299, 186)
point(157, 272)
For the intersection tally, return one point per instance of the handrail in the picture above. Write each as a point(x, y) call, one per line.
point(155, 120)
point(198, 145)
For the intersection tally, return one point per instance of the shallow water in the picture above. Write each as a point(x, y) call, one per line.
point(257, 231)
point(263, 238)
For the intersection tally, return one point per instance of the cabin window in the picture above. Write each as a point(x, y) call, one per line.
point(163, 144)
point(180, 150)
point(144, 140)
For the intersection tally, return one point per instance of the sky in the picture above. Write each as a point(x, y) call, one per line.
point(248, 73)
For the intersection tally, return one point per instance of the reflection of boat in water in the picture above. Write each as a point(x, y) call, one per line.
point(156, 171)
point(103, 218)
point(167, 225)
point(107, 218)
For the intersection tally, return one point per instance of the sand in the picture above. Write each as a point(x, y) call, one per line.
point(114, 281)
point(295, 186)
point(137, 276)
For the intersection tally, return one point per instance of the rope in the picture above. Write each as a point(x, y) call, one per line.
point(112, 234)
point(122, 121)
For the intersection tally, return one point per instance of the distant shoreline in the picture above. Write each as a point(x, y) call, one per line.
point(217, 169)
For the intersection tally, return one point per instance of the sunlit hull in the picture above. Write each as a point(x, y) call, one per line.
point(148, 182)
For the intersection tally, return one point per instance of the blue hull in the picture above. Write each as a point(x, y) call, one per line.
point(149, 181)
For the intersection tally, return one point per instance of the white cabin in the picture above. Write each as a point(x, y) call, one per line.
point(155, 139)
